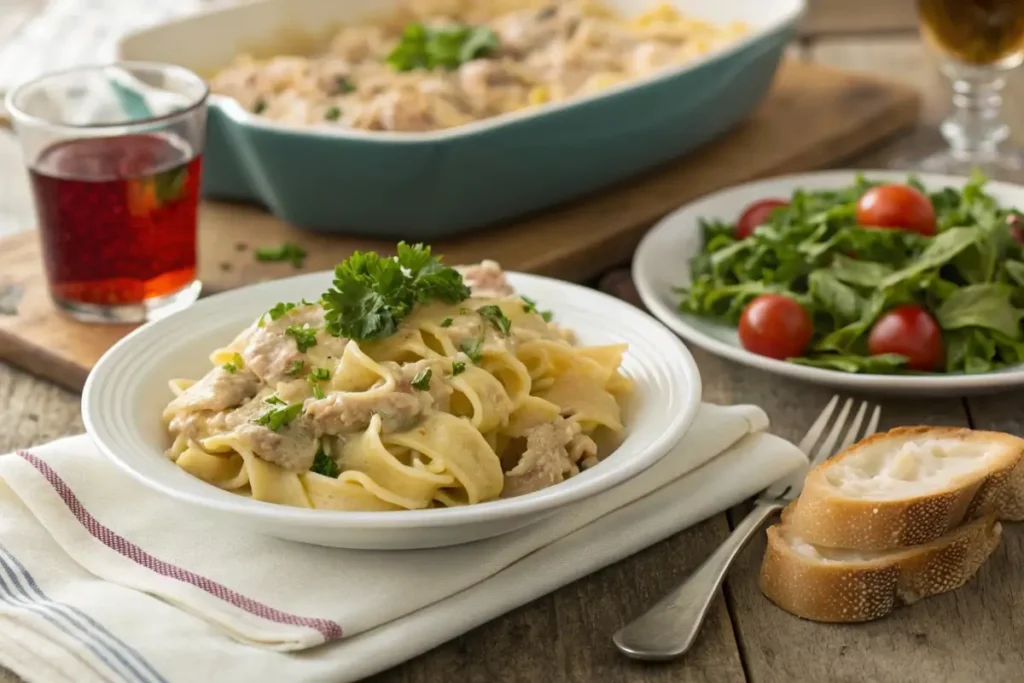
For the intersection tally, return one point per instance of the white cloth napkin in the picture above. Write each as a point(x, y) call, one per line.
point(103, 580)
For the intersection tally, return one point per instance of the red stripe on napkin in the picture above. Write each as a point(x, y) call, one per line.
point(330, 630)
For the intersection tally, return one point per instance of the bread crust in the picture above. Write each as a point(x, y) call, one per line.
point(825, 516)
point(861, 589)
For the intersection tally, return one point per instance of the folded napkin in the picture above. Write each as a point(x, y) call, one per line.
point(104, 580)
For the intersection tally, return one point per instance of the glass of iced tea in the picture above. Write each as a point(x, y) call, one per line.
point(978, 41)
point(114, 153)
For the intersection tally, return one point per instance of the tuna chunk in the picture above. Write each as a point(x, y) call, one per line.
point(217, 390)
point(486, 279)
point(546, 460)
point(348, 412)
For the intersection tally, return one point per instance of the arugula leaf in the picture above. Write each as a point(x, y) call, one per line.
point(1015, 271)
point(235, 364)
point(422, 380)
point(859, 273)
point(305, 337)
point(286, 251)
point(373, 294)
point(276, 417)
point(881, 364)
point(444, 47)
point(841, 301)
point(324, 464)
point(986, 305)
point(493, 314)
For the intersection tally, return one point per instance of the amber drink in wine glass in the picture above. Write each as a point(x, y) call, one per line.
point(978, 42)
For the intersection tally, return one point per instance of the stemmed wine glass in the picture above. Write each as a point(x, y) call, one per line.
point(978, 42)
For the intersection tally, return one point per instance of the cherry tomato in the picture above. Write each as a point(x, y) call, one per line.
point(756, 214)
point(896, 206)
point(1016, 224)
point(910, 331)
point(776, 326)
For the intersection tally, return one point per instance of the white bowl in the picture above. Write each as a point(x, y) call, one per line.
point(127, 391)
point(662, 263)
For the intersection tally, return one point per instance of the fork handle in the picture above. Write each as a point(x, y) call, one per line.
point(669, 628)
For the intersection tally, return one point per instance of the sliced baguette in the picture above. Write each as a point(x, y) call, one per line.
point(826, 584)
point(910, 486)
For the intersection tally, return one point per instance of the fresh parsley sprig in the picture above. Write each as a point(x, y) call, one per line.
point(494, 315)
point(235, 364)
point(441, 47)
point(324, 464)
point(373, 294)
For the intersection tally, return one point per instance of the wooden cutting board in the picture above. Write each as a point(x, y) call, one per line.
point(814, 117)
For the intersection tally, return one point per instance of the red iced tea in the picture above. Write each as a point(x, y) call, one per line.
point(117, 217)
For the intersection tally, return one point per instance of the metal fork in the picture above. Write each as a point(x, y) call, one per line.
point(669, 628)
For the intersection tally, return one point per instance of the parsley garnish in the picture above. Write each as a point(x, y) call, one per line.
point(295, 368)
point(285, 252)
point(274, 400)
point(332, 114)
point(530, 306)
point(259, 106)
point(324, 464)
point(235, 364)
point(305, 337)
point(372, 294)
point(320, 374)
point(447, 322)
point(343, 85)
point(422, 380)
point(464, 311)
point(277, 311)
point(472, 348)
point(445, 47)
point(458, 367)
point(318, 392)
point(276, 417)
point(496, 317)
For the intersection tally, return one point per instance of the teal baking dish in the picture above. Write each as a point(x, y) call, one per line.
point(425, 186)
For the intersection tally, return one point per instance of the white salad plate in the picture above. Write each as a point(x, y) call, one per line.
point(127, 391)
point(662, 263)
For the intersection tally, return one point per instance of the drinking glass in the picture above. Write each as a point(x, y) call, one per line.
point(978, 42)
point(114, 154)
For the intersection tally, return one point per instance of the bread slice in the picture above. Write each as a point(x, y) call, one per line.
point(825, 584)
point(910, 486)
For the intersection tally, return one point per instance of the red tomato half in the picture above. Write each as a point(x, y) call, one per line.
point(910, 331)
point(896, 206)
point(776, 326)
point(756, 214)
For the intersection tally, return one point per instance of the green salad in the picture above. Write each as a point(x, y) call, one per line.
point(872, 278)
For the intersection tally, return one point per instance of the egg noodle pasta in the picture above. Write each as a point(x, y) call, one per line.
point(435, 64)
point(452, 390)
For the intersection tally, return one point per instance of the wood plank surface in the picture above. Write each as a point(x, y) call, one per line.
point(814, 116)
point(829, 17)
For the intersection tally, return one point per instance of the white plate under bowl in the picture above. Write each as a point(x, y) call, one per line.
point(127, 391)
point(662, 262)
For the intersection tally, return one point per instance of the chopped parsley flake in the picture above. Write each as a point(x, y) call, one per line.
point(422, 380)
point(324, 464)
point(447, 322)
point(472, 348)
point(320, 374)
point(277, 417)
point(235, 364)
point(305, 337)
point(464, 311)
point(332, 114)
point(496, 317)
point(530, 306)
point(318, 392)
point(278, 310)
point(343, 85)
point(458, 367)
point(274, 400)
point(373, 294)
point(259, 106)
point(295, 369)
point(287, 251)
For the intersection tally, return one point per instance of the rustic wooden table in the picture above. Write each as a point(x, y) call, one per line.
point(971, 635)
